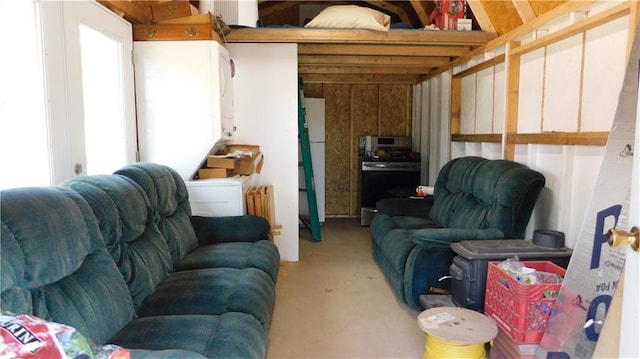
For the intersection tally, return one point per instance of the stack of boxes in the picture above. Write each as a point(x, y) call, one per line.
point(237, 160)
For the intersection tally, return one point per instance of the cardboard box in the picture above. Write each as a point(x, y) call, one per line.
point(249, 165)
point(204, 173)
point(217, 162)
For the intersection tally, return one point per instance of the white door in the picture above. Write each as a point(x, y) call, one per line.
point(99, 74)
point(630, 323)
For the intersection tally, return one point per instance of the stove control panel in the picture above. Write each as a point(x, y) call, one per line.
point(380, 147)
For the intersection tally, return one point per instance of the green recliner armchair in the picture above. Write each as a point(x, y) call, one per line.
point(474, 198)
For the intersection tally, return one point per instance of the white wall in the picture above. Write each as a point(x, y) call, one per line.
point(572, 86)
point(266, 113)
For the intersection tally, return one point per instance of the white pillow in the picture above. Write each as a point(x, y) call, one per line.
point(351, 17)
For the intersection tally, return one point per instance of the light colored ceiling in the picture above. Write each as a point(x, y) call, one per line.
point(365, 56)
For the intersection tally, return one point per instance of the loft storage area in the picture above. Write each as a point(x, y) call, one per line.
point(393, 42)
point(406, 53)
point(398, 42)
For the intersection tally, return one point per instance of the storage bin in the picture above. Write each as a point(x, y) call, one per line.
point(521, 310)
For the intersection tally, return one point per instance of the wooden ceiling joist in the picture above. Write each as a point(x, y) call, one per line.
point(374, 50)
point(358, 79)
point(348, 60)
point(390, 70)
point(357, 36)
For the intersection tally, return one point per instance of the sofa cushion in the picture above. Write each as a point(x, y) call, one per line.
point(169, 200)
point(262, 255)
point(213, 291)
point(129, 230)
point(230, 335)
point(55, 264)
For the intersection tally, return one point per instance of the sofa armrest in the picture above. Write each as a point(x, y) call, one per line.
point(442, 237)
point(405, 207)
point(210, 230)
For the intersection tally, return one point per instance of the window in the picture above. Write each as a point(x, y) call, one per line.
point(24, 144)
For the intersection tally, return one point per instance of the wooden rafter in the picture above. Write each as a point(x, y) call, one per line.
point(525, 10)
point(421, 13)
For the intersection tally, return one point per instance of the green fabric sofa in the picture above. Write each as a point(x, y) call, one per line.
point(120, 258)
point(474, 198)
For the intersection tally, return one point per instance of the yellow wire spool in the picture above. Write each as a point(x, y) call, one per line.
point(456, 333)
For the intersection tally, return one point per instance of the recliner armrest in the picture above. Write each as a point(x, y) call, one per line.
point(405, 207)
point(442, 237)
point(210, 230)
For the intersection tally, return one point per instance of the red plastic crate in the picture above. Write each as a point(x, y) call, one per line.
point(521, 310)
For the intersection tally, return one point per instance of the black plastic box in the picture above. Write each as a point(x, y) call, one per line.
point(469, 268)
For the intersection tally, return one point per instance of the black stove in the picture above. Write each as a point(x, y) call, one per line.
point(389, 166)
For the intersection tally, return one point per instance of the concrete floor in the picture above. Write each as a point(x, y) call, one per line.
point(336, 303)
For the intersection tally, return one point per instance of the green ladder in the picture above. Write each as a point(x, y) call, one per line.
point(305, 149)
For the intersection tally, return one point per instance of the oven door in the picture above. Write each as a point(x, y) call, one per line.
point(380, 180)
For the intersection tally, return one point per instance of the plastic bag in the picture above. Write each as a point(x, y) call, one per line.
point(26, 337)
point(523, 274)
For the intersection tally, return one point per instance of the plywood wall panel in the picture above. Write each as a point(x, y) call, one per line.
point(338, 143)
point(365, 110)
point(540, 7)
point(503, 15)
point(394, 117)
point(313, 90)
point(352, 111)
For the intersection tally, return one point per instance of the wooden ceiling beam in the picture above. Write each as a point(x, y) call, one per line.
point(374, 50)
point(349, 60)
point(358, 36)
point(359, 79)
point(402, 70)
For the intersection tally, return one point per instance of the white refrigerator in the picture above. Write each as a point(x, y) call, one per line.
point(315, 122)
